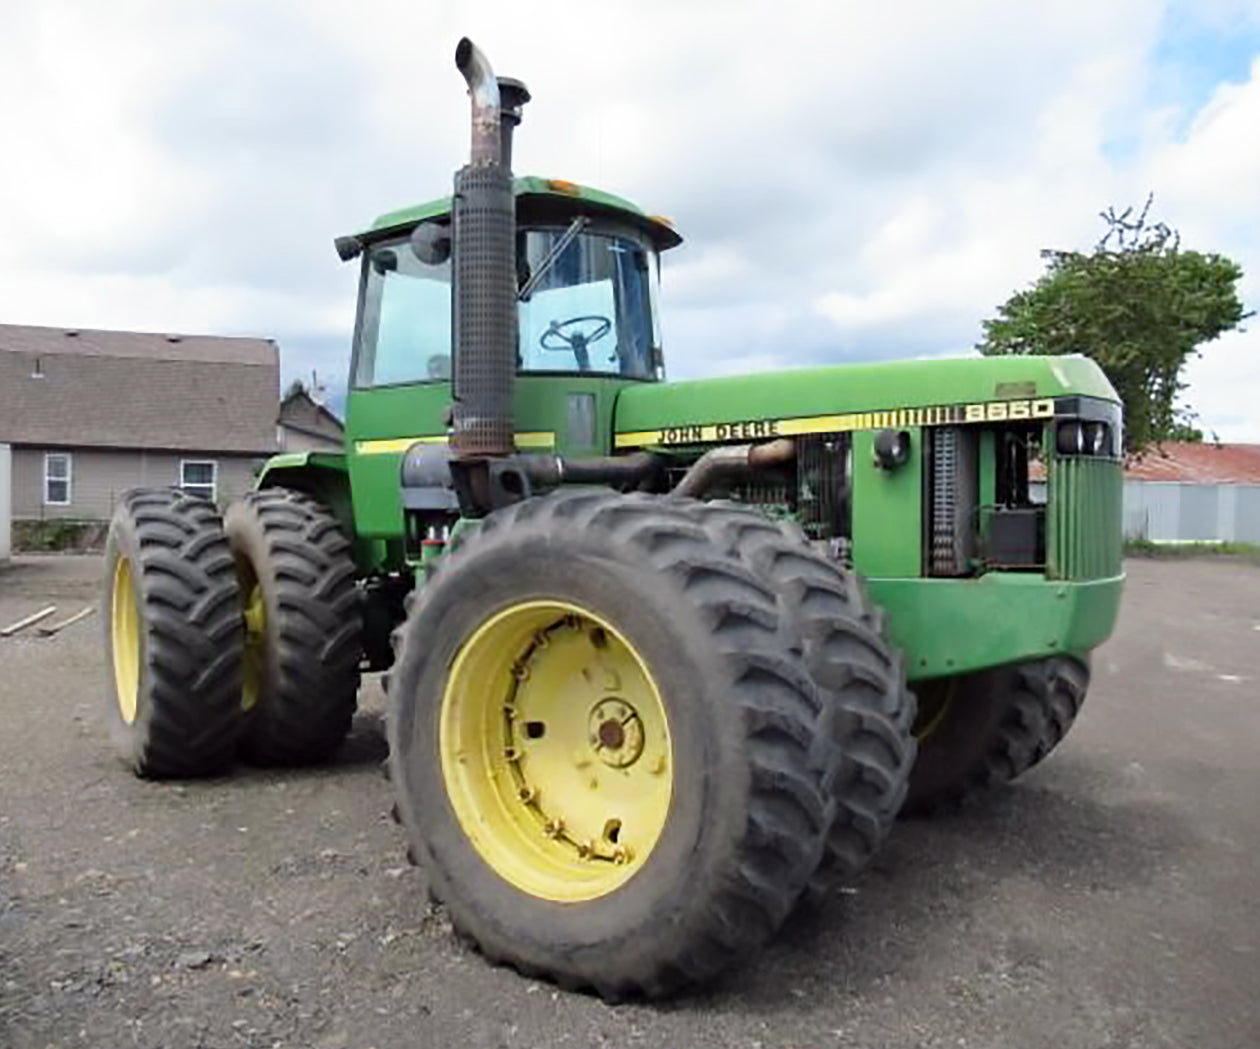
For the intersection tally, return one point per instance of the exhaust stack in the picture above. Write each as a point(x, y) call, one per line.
point(484, 322)
point(483, 89)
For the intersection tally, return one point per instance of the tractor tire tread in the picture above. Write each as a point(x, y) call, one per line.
point(189, 612)
point(863, 737)
point(307, 713)
point(1042, 702)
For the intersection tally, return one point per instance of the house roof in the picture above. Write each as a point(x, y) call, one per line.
point(1205, 463)
point(90, 388)
point(300, 411)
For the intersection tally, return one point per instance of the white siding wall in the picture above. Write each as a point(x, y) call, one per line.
point(100, 477)
point(6, 496)
point(1166, 511)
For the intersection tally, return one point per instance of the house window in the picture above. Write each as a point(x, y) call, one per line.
point(198, 477)
point(57, 475)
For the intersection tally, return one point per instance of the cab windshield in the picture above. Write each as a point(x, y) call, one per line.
point(589, 307)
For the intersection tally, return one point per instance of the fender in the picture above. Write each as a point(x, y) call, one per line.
point(326, 476)
point(321, 475)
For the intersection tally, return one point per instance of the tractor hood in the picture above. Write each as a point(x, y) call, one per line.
point(853, 397)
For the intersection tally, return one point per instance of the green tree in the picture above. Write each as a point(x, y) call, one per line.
point(1137, 304)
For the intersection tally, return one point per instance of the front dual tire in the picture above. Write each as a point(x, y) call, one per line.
point(609, 752)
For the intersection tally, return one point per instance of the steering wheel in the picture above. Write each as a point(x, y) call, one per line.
point(556, 338)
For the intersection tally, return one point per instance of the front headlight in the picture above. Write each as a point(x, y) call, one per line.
point(1083, 438)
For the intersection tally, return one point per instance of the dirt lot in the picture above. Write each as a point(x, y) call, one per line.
point(1110, 899)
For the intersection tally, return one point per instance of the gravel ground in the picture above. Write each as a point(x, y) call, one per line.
point(1109, 899)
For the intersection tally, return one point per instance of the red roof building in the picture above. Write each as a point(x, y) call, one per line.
point(1204, 463)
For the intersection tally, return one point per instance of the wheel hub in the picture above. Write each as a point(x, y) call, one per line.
point(616, 733)
point(125, 641)
point(254, 667)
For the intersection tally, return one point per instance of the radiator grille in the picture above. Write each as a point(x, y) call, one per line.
point(954, 498)
point(1085, 540)
point(822, 487)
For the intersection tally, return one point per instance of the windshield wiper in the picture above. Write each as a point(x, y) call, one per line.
point(549, 260)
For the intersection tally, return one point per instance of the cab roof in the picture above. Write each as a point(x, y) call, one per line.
point(657, 227)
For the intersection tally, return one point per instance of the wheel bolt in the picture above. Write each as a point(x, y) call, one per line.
point(553, 828)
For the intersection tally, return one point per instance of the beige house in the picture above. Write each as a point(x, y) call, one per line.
point(307, 426)
point(90, 414)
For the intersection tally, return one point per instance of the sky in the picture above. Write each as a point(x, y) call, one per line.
point(855, 181)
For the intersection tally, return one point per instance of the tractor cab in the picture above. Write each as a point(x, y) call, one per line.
point(587, 273)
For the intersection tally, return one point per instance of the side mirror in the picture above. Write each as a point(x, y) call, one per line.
point(431, 243)
point(348, 248)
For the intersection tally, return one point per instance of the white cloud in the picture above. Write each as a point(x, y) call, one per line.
point(1208, 186)
point(856, 181)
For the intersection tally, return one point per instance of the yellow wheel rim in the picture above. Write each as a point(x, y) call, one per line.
point(555, 751)
point(254, 668)
point(935, 701)
point(124, 624)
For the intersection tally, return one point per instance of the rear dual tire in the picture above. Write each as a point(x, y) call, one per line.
point(226, 639)
point(303, 627)
point(172, 618)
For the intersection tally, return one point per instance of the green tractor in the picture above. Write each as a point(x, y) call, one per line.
point(650, 646)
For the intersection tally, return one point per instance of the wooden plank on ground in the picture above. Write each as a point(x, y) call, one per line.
point(54, 628)
point(30, 620)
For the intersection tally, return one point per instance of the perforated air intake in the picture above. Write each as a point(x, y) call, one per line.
point(484, 297)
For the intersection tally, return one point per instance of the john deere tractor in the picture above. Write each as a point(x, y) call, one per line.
point(650, 646)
